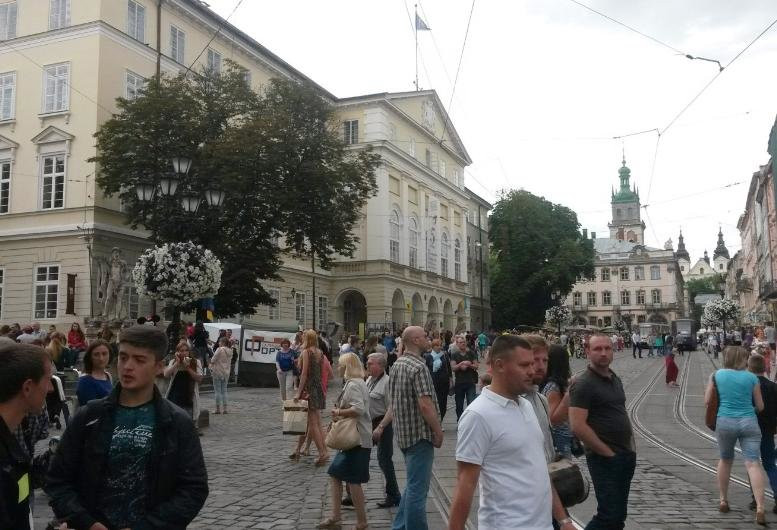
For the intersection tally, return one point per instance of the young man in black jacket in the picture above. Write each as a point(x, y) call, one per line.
point(132, 459)
point(25, 379)
point(767, 421)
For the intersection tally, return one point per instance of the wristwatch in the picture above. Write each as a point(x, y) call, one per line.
point(564, 521)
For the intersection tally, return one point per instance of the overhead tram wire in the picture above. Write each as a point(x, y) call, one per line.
point(213, 37)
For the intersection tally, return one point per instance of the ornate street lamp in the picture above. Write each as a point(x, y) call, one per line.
point(168, 185)
point(214, 197)
point(181, 165)
point(145, 192)
point(190, 202)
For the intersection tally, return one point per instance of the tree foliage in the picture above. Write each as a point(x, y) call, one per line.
point(276, 154)
point(720, 311)
point(709, 285)
point(537, 251)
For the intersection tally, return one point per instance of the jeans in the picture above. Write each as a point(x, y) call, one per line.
point(385, 459)
point(441, 391)
point(285, 380)
point(411, 514)
point(768, 455)
point(744, 430)
point(220, 389)
point(461, 391)
point(612, 480)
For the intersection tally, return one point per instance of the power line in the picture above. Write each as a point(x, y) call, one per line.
point(653, 166)
point(218, 30)
point(630, 28)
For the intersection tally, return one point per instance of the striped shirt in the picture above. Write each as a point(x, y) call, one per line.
point(410, 379)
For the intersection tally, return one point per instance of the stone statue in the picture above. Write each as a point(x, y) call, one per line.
point(111, 275)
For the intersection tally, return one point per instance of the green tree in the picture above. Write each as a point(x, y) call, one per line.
point(276, 155)
point(538, 253)
point(709, 285)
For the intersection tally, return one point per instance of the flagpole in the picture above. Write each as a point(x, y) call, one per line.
point(415, 26)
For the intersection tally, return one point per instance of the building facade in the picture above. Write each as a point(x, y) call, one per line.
point(62, 66)
point(632, 283)
point(704, 267)
point(477, 264)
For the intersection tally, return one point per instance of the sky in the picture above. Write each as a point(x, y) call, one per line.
point(545, 85)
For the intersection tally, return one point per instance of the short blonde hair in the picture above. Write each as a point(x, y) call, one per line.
point(350, 367)
point(537, 342)
point(735, 357)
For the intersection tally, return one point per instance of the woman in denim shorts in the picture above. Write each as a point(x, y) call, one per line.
point(737, 390)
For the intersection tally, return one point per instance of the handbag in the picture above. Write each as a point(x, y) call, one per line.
point(711, 412)
point(342, 434)
point(576, 447)
point(568, 481)
point(295, 417)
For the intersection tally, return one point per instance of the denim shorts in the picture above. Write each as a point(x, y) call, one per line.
point(745, 430)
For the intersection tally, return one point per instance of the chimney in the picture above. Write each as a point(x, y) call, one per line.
point(585, 233)
point(593, 235)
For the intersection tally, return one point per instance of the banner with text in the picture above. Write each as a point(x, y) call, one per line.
point(261, 346)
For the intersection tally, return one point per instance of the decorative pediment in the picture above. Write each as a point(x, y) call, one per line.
point(53, 140)
point(7, 146)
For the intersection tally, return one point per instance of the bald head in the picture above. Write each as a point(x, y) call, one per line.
point(413, 339)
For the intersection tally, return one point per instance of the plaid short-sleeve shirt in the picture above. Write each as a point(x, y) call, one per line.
point(410, 379)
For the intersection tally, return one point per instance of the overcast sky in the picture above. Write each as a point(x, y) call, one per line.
point(545, 84)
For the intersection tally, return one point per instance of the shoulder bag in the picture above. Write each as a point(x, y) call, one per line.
point(568, 481)
point(711, 412)
point(342, 433)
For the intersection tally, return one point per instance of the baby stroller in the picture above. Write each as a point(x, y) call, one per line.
point(57, 403)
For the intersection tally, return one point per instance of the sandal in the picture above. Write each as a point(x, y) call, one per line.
point(760, 518)
point(294, 456)
point(330, 523)
point(723, 507)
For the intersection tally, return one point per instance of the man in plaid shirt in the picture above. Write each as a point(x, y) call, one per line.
point(416, 420)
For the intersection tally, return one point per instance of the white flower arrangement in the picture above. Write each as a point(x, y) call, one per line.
point(716, 311)
point(177, 273)
point(558, 314)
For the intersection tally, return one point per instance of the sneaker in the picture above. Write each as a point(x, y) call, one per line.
point(388, 503)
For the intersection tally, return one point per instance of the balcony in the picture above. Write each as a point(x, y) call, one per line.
point(767, 290)
point(579, 308)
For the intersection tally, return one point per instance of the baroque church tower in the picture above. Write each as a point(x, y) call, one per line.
point(627, 224)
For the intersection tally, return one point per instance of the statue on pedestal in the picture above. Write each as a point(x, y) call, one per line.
point(111, 276)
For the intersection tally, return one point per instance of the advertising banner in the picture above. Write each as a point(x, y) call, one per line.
point(261, 346)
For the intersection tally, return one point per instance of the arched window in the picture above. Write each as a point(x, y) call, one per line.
point(656, 296)
point(444, 250)
point(457, 259)
point(412, 233)
point(394, 236)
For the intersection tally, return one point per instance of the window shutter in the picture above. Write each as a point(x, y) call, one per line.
point(50, 89)
point(346, 132)
point(355, 131)
point(54, 15)
point(10, 21)
point(435, 163)
point(132, 27)
point(174, 43)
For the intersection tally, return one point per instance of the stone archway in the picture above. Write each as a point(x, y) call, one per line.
point(398, 309)
point(352, 309)
point(433, 315)
point(417, 312)
point(449, 321)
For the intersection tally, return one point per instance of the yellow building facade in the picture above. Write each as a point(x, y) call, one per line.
point(62, 66)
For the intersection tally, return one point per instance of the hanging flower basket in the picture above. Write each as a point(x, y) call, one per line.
point(558, 315)
point(177, 273)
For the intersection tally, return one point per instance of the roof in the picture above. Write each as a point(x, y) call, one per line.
point(477, 198)
point(608, 245)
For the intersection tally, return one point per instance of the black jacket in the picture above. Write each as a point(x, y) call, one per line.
point(176, 477)
point(767, 418)
point(14, 465)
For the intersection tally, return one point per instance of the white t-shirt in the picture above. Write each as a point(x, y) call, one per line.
point(503, 437)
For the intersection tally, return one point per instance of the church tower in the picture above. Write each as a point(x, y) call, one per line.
point(626, 222)
point(683, 258)
point(720, 257)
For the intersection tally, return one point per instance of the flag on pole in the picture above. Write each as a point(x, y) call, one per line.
point(420, 25)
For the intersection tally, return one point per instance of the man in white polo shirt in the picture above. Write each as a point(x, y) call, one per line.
point(500, 444)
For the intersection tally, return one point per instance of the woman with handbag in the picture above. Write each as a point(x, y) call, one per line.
point(735, 391)
point(555, 389)
point(311, 387)
point(351, 434)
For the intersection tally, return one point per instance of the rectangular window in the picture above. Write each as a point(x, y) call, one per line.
point(640, 297)
point(46, 291)
point(394, 185)
point(132, 85)
point(624, 273)
point(53, 182)
point(351, 132)
point(299, 304)
point(456, 218)
point(606, 298)
point(59, 14)
point(133, 302)
point(625, 298)
point(577, 299)
point(456, 270)
point(656, 296)
point(413, 257)
point(412, 195)
point(639, 273)
point(323, 311)
point(274, 311)
point(456, 178)
point(136, 20)
point(605, 274)
point(7, 95)
point(8, 21)
point(592, 298)
point(214, 61)
point(56, 88)
point(607, 321)
point(640, 319)
point(247, 78)
point(444, 211)
point(5, 186)
point(177, 44)
point(428, 158)
point(394, 251)
point(592, 320)
point(411, 147)
point(441, 169)
point(655, 272)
